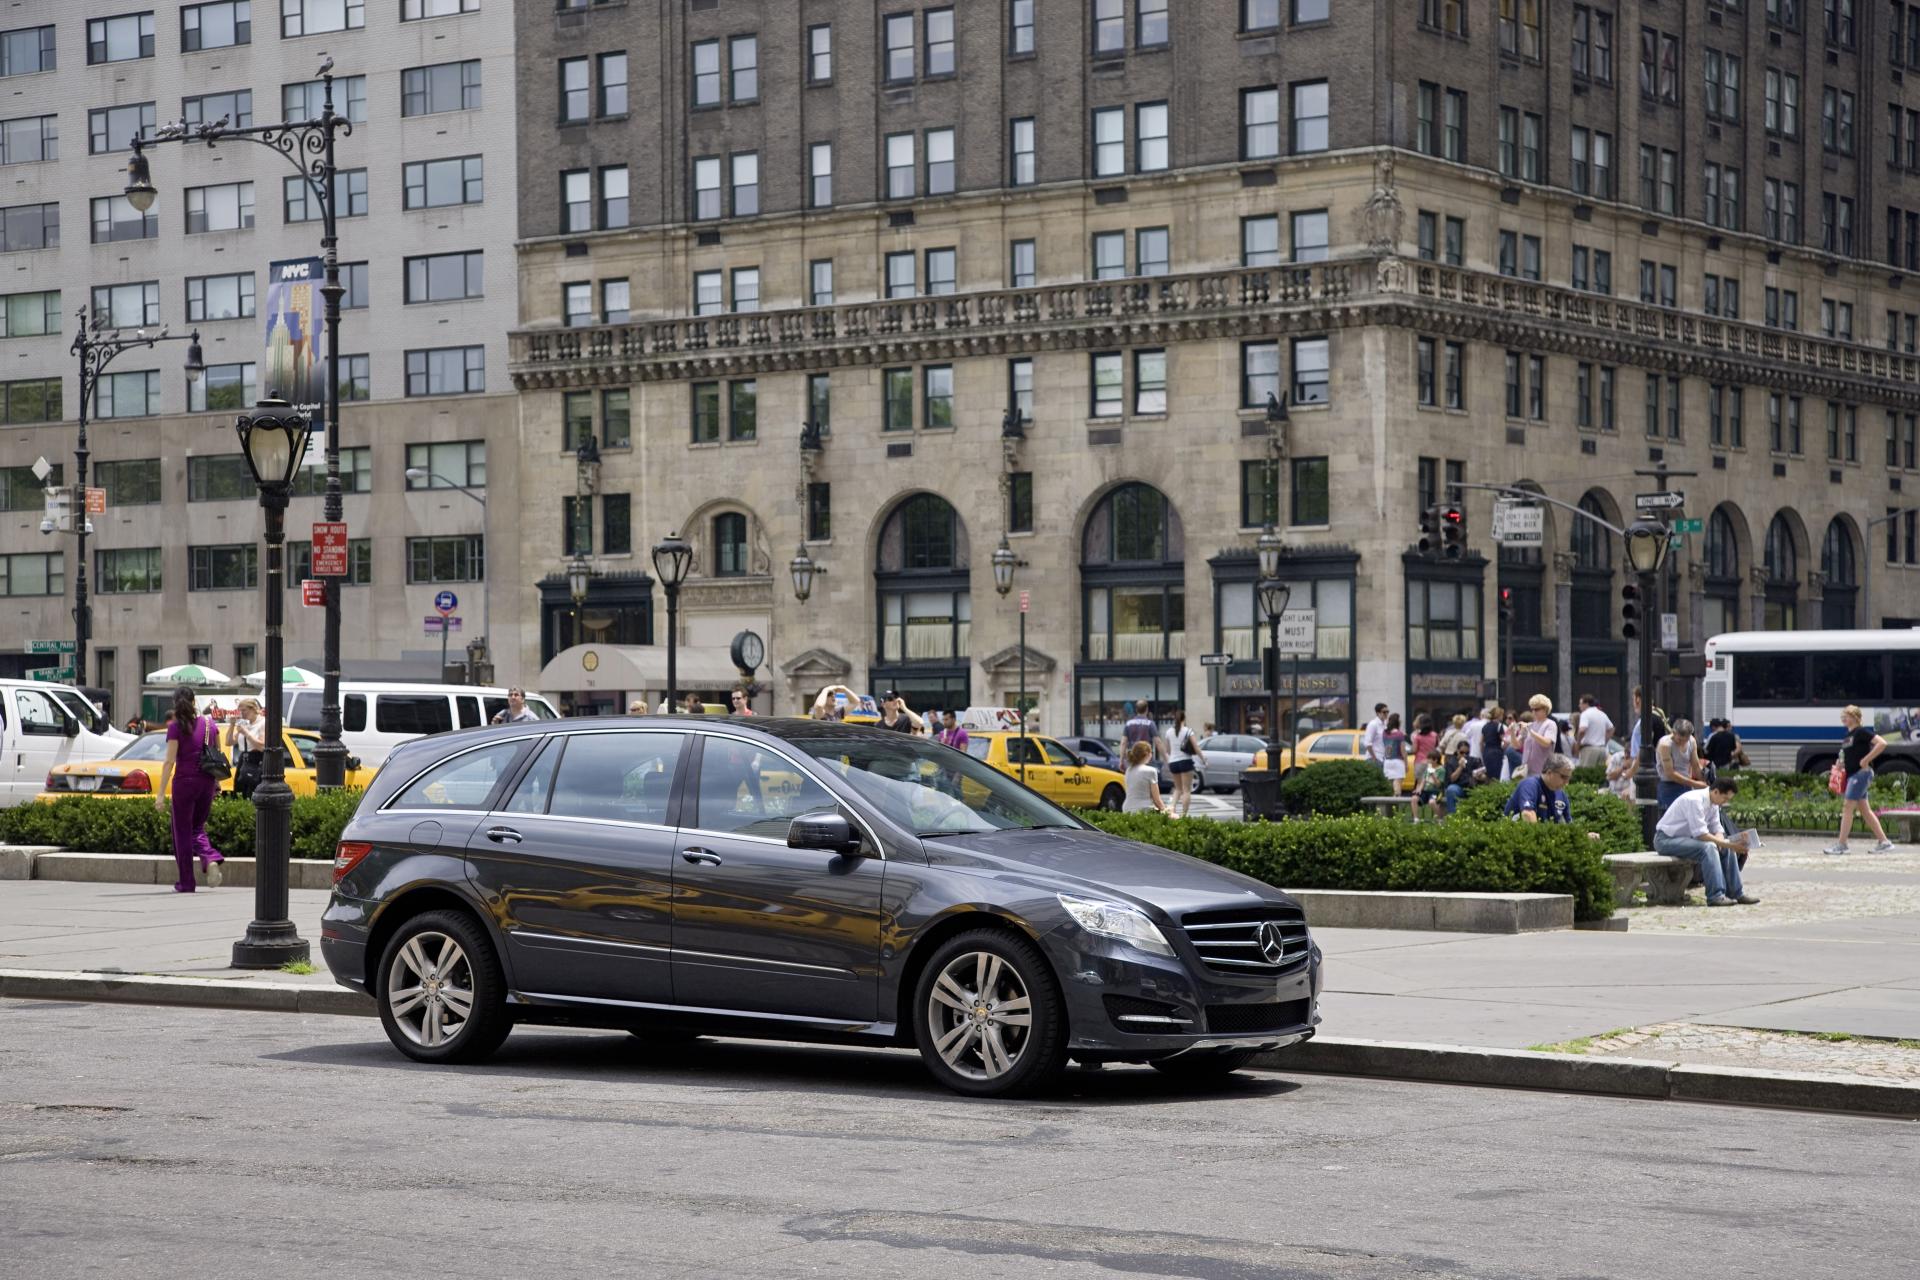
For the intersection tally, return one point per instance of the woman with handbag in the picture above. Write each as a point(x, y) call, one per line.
point(195, 766)
point(247, 743)
point(1861, 748)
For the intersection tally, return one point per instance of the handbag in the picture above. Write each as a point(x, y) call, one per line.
point(1837, 778)
point(213, 759)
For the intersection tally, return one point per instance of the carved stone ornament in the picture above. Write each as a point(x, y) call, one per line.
point(1380, 218)
point(818, 665)
point(1390, 276)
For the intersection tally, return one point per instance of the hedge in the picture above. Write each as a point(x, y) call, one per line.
point(1594, 809)
point(1333, 787)
point(1368, 853)
point(99, 824)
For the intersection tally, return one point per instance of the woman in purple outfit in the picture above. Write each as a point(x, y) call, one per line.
point(193, 791)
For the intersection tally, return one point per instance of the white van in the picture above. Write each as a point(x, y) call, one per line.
point(376, 717)
point(43, 725)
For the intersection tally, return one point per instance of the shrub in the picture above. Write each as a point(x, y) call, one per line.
point(1594, 809)
point(1332, 787)
point(103, 825)
point(1368, 853)
point(1590, 775)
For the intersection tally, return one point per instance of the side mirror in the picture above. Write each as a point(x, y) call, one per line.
point(826, 830)
point(69, 726)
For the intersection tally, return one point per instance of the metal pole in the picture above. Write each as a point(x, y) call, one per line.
point(1293, 722)
point(1646, 781)
point(1273, 692)
point(82, 611)
point(271, 939)
point(330, 754)
point(1866, 580)
point(673, 645)
point(1023, 695)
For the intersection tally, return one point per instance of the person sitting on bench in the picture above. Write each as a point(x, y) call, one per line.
point(1691, 829)
point(1543, 797)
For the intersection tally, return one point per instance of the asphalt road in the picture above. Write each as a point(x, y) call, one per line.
point(144, 1142)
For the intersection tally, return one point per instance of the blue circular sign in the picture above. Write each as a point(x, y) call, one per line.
point(446, 602)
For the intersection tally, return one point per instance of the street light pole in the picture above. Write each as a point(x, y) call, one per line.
point(1646, 550)
point(96, 346)
point(1004, 563)
point(273, 437)
point(309, 146)
point(671, 559)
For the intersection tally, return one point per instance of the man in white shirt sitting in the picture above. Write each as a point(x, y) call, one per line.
point(1691, 829)
point(1592, 731)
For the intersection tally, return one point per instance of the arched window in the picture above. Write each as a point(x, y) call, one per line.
point(1721, 603)
point(1135, 524)
point(924, 607)
point(729, 545)
point(1781, 565)
point(1133, 607)
point(1723, 549)
point(1837, 566)
point(1592, 544)
point(1592, 584)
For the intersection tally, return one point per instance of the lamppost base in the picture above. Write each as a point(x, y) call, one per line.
point(271, 944)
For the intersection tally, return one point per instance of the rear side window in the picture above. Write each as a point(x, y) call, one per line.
point(464, 782)
point(412, 713)
point(1336, 744)
point(617, 777)
point(469, 710)
point(536, 784)
point(1769, 677)
point(353, 713)
point(303, 712)
point(1848, 677)
point(1906, 677)
point(979, 747)
point(1024, 751)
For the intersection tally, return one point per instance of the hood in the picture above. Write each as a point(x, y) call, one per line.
point(1067, 860)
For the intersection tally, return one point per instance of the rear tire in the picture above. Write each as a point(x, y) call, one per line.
point(441, 992)
point(1113, 798)
point(988, 1018)
point(1213, 1064)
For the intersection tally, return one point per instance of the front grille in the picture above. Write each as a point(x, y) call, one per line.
point(1236, 1019)
point(1131, 1013)
point(1230, 941)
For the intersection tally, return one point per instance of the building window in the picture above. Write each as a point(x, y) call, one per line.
point(307, 99)
point(1259, 493)
point(1723, 86)
point(127, 571)
point(124, 395)
point(1454, 371)
point(108, 129)
point(1310, 114)
point(1259, 373)
point(1109, 384)
point(445, 86)
point(1150, 122)
point(1310, 370)
point(706, 412)
point(1259, 15)
point(820, 175)
point(1453, 127)
point(709, 293)
point(1020, 502)
point(220, 477)
point(31, 400)
point(576, 526)
point(576, 90)
point(227, 207)
point(1109, 142)
point(121, 39)
point(900, 166)
point(820, 402)
point(126, 306)
point(1443, 621)
point(819, 511)
point(446, 371)
point(222, 386)
point(1020, 26)
point(936, 381)
point(300, 204)
point(706, 192)
point(1020, 386)
point(234, 567)
point(746, 183)
point(1109, 255)
point(1310, 236)
point(460, 558)
point(27, 50)
point(743, 410)
point(1260, 241)
point(433, 184)
point(940, 162)
point(576, 304)
point(897, 386)
point(899, 48)
point(1308, 501)
point(1024, 172)
point(938, 57)
point(942, 269)
point(1782, 110)
point(746, 288)
point(1425, 389)
point(33, 315)
point(445, 277)
point(1151, 251)
point(1150, 382)
point(901, 282)
point(706, 73)
point(820, 282)
point(743, 55)
point(1259, 123)
point(820, 54)
point(1109, 27)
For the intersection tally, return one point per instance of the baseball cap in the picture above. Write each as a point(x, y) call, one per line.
point(891, 695)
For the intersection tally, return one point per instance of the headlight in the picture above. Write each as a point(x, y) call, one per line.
point(1116, 920)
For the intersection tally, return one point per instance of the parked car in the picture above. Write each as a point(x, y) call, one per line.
point(1051, 769)
point(630, 874)
point(375, 718)
point(136, 768)
point(1228, 756)
point(43, 726)
point(1330, 744)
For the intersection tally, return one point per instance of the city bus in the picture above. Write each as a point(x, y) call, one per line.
point(1783, 691)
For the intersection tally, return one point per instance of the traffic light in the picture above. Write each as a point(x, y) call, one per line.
point(1430, 530)
point(1630, 619)
point(1506, 604)
point(1453, 532)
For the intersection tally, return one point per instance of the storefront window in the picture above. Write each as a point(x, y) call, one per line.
point(1443, 621)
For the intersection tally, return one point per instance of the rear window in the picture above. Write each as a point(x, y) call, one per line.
point(412, 713)
point(464, 782)
point(978, 747)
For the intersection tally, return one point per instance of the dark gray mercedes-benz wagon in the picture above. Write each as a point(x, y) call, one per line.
point(794, 879)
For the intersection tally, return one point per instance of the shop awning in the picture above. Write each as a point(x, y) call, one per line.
point(632, 668)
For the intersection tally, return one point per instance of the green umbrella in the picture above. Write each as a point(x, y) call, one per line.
point(189, 673)
point(290, 677)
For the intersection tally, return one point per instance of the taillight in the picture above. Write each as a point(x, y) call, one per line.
point(53, 778)
point(347, 855)
point(136, 780)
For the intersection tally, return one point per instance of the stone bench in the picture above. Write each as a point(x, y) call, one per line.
point(1387, 804)
point(1666, 878)
point(1907, 816)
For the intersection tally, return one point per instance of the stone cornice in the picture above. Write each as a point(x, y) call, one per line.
point(1234, 305)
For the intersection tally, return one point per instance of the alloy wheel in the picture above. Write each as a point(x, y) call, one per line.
point(430, 989)
point(980, 1014)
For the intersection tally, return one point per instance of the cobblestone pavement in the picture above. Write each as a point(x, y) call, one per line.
point(1701, 1045)
point(1797, 884)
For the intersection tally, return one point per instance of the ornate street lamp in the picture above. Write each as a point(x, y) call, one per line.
point(802, 568)
point(1274, 595)
point(308, 145)
point(672, 557)
point(1647, 542)
point(1004, 563)
point(274, 439)
point(1269, 544)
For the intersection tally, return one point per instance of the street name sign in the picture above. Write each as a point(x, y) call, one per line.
point(1518, 524)
point(49, 646)
point(1298, 631)
point(1689, 525)
point(1659, 501)
point(329, 549)
point(1216, 659)
point(61, 674)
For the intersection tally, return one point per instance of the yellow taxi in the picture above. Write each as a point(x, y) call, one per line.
point(1051, 769)
point(1329, 744)
point(136, 769)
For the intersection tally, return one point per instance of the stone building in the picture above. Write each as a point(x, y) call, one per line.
point(174, 570)
point(1553, 251)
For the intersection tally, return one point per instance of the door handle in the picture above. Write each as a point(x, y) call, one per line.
point(704, 857)
point(503, 835)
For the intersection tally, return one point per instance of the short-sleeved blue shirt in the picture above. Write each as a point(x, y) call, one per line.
point(1533, 793)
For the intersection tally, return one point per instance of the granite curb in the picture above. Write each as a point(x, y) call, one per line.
point(1323, 1055)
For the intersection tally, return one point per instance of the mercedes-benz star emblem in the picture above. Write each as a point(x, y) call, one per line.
point(1273, 943)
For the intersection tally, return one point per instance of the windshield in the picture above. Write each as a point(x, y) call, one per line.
point(148, 746)
point(932, 789)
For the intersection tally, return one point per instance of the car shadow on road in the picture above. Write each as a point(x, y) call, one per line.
point(607, 1056)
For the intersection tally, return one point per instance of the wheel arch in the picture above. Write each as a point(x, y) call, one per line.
point(955, 922)
point(417, 901)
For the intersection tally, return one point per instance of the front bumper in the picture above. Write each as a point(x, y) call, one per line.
point(1124, 1002)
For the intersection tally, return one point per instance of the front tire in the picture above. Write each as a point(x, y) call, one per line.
point(442, 995)
point(1113, 798)
point(1214, 1064)
point(988, 1018)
